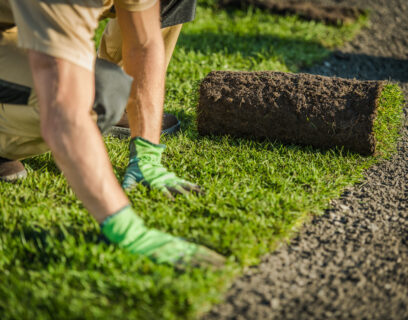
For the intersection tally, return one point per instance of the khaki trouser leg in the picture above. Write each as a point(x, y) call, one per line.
point(170, 37)
point(110, 47)
point(20, 135)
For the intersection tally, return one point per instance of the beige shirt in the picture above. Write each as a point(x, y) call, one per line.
point(62, 28)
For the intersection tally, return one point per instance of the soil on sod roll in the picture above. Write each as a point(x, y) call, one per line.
point(352, 262)
point(304, 9)
point(293, 108)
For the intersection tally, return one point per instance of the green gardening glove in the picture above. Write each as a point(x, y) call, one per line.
point(145, 167)
point(128, 231)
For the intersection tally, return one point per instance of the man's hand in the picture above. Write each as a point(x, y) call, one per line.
point(145, 167)
point(129, 232)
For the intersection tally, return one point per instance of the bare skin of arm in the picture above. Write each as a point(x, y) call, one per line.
point(143, 42)
point(66, 92)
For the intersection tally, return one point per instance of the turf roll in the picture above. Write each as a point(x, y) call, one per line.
point(301, 109)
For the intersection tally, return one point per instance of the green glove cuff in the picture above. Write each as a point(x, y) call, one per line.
point(146, 150)
point(117, 225)
point(145, 166)
point(128, 231)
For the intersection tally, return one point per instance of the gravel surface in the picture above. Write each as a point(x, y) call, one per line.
point(351, 262)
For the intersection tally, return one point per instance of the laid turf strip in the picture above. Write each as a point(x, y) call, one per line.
point(352, 262)
point(292, 108)
point(305, 10)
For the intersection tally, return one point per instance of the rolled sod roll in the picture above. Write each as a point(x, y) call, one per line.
point(292, 108)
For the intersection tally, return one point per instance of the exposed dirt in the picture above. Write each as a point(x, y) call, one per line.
point(293, 108)
point(307, 10)
point(352, 262)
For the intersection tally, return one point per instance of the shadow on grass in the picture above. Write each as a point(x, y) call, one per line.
point(269, 145)
point(295, 53)
point(41, 246)
point(187, 120)
point(43, 163)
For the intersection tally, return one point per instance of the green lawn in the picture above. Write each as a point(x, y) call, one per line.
point(52, 263)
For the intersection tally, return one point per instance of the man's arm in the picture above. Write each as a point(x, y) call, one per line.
point(144, 59)
point(65, 92)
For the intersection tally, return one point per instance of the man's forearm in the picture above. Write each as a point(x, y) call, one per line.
point(79, 152)
point(65, 93)
point(144, 59)
point(145, 107)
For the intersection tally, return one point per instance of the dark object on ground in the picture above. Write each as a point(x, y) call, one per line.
point(11, 170)
point(304, 9)
point(352, 262)
point(293, 108)
point(170, 125)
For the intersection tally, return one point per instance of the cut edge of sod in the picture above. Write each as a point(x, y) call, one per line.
point(389, 119)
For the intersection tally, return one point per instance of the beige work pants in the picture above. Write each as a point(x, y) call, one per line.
point(110, 47)
point(20, 135)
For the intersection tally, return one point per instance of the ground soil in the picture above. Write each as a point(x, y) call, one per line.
point(352, 262)
point(329, 14)
point(293, 108)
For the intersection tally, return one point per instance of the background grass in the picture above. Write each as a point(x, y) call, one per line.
point(52, 263)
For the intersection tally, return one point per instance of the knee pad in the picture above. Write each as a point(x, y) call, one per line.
point(112, 89)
